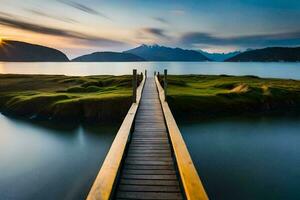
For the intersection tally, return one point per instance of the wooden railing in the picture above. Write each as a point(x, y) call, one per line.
point(190, 179)
point(105, 181)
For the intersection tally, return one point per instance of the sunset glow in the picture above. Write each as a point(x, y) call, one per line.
point(77, 28)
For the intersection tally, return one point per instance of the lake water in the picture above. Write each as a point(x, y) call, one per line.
point(236, 158)
point(50, 162)
point(247, 159)
point(275, 70)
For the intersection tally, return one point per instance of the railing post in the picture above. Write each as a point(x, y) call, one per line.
point(154, 73)
point(165, 83)
point(134, 86)
point(158, 76)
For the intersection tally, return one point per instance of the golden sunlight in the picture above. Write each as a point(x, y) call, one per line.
point(1, 41)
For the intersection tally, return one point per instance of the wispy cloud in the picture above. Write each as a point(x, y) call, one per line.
point(157, 32)
point(161, 20)
point(277, 39)
point(36, 28)
point(84, 8)
point(43, 14)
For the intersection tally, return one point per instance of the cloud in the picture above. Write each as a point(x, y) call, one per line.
point(83, 8)
point(157, 32)
point(43, 14)
point(262, 40)
point(161, 20)
point(84, 38)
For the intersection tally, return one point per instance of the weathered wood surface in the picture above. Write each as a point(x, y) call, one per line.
point(104, 183)
point(149, 169)
point(190, 179)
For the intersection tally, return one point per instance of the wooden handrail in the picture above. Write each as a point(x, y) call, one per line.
point(190, 179)
point(104, 183)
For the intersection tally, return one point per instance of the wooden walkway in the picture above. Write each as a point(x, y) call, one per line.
point(149, 171)
point(148, 158)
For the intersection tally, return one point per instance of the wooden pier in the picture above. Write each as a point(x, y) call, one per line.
point(148, 158)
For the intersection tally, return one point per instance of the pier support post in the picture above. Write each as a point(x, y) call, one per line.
point(154, 73)
point(145, 73)
point(141, 78)
point(134, 85)
point(165, 83)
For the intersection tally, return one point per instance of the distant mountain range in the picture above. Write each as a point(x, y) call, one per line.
point(15, 51)
point(108, 57)
point(270, 54)
point(161, 53)
point(219, 56)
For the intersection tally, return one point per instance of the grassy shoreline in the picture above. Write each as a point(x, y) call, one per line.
point(106, 99)
point(196, 97)
point(68, 98)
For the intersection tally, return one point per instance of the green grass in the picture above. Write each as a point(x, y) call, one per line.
point(92, 98)
point(203, 96)
point(108, 98)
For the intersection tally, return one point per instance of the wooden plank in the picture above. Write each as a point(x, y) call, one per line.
point(153, 147)
point(149, 188)
point(148, 137)
point(149, 171)
point(149, 182)
point(150, 148)
point(150, 131)
point(145, 162)
point(153, 134)
point(153, 158)
point(150, 177)
point(156, 167)
point(149, 142)
point(141, 139)
point(147, 148)
point(149, 151)
point(149, 195)
point(150, 154)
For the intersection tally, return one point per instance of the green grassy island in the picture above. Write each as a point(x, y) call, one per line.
point(107, 98)
point(206, 96)
point(90, 98)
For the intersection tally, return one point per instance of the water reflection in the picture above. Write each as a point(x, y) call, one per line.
point(39, 162)
point(249, 158)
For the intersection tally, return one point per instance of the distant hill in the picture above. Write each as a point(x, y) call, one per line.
point(15, 51)
point(161, 53)
point(219, 56)
point(270, 54)
point(108, 57)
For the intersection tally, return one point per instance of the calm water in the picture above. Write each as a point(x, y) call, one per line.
point(42, 162)
point(275, 70)
point(247, 159)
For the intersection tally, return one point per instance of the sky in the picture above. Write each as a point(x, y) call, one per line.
point(78, 27)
